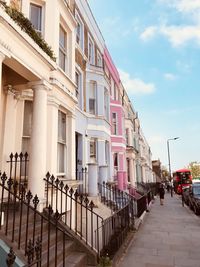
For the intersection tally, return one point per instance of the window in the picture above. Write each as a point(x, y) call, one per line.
point(61, 151)
point(92, 98)
point(128, 169)
point(36, 17)
point(106, 104)
point(63, 49)
point(27, 125)
point(127, 138)
point(78, 77)
point(106, 152)
point(114, 123)
point(93, 144)
point(79, 31)
point(115, 164)
point(99, 59)
point(27, 128)
point(90, 50)
point(115, 92)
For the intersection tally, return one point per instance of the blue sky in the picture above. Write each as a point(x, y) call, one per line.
point(155, 45)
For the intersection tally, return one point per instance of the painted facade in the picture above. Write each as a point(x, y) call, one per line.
point(69, 112)
point(92, 113)
point(118, 144)
point(37, 93)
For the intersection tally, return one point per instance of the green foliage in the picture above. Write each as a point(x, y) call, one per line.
point(105, 261)
point(27, 27)
point(195, 169)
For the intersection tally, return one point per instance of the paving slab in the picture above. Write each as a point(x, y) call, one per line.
point(169, 236)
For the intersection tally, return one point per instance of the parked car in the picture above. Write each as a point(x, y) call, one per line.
point(194, 198)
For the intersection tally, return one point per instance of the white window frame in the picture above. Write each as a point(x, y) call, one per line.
point(39, 5)
point(93, 149)
point(114, 124)
point(26, 134)
point(62, 142)
point(81, 37)
point(79, 89)
point(99, 59)
point(106, 103)
point(107, 152)
point(91, 56)
point(94, 100)
point(63, 49)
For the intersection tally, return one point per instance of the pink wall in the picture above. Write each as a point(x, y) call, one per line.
point(110, 65)
point(116, 107)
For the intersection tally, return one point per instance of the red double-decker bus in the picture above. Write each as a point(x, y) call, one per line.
point(181, 178)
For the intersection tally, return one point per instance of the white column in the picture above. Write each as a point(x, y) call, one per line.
point(132, 171)
point(71, 146)
point(1, 108)
point(37, 160)
point(103, 174)
point(92, 179)
point(52, 136)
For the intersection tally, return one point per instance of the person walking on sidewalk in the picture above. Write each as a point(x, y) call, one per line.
point(161, 194)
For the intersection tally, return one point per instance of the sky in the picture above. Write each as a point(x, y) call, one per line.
point(155, 45)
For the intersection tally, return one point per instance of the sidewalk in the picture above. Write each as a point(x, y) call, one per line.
point(168, 237)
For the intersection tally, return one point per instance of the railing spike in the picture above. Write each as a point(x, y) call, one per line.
point(10, 258)
point(35, 201)
point(48, 175)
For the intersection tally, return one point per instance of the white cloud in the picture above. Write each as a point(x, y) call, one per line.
point(177, 35)
point(148, 33)
point(135, 85)
point(187, 6)
point(169, 76)
point(184, 6)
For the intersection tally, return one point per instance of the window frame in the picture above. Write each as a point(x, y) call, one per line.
point(62, 142)
point(81, 37)
point(114, 124)
point(91, 57)
point(79, 89)
point(93, 155)
point(94, 83)
point(41, 7)
point(63, 49)
point(101, 59)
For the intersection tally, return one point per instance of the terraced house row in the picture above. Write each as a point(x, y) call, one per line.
point(63, 105)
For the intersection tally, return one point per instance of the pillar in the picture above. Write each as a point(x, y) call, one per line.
point(38, 151)
point(92, 179)
point(1, 108)
point(71, 147)
point(132, 171)
point(103, 174)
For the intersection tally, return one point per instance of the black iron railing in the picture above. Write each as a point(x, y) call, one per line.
point(77, 211)
point(82, 176)
point(111, 196)
point(18, 167)
point(34, 233)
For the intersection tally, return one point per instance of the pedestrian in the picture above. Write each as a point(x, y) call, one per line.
point(168, 187)
point(161, 194)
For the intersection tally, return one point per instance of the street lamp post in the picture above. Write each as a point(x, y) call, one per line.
point(175, 138)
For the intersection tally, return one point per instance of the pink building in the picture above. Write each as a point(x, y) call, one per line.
point(118, 141)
